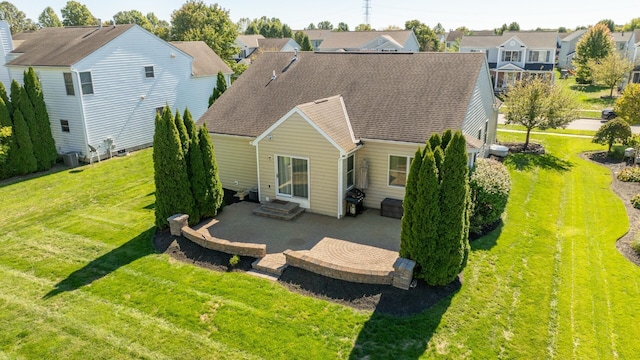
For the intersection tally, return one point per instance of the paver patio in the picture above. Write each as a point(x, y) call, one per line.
point(237, 223)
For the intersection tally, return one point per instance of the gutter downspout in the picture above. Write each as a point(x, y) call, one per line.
point(84, 120)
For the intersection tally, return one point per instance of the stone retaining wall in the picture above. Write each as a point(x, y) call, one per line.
point(178, 225)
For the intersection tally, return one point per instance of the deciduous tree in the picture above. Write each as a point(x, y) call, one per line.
point(595, 44)
point(427, 38)
point(133, 17)
point(77, 14)
point(325, 25)
point(363, 27)
point(49, 18)
point(628, 105)
point(610, 71)
point(341, 27)
point(632, 25)
point(535, 103)
point(7, 143)
point(209, 23)
point(616, 130)
point(213, 186)
point(17, 19)
point(609, 24)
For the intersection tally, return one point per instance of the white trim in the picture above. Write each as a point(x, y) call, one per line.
point(258, 170)
point(393, 142)
point(82, 114)
point(305, 203)
point(233, 136)
point(340, 189)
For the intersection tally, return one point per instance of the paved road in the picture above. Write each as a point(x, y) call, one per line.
point(582, 124)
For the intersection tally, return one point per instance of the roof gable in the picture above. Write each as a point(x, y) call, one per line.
point(362, 39)
point(328, 117)
point(62, 46)
point(249, 40)
point(205, 61)
point(530, 39)
point(389, 96)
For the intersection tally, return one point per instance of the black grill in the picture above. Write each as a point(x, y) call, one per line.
point(355, 205)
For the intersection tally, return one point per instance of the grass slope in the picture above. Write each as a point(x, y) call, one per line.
point(79, 279)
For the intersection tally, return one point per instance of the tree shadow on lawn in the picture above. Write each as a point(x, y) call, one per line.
point(386, 336)
point(524, 161)
point(488, 240)
point(134, 249)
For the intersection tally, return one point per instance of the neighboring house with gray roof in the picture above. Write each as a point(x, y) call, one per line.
point(300, 128)
point(104, 85)
point(316, 36)
point(384, 41)
point(252, 45)
point(568, 49)
point(515, 55)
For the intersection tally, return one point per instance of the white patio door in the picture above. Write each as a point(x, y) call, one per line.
point(292, 177)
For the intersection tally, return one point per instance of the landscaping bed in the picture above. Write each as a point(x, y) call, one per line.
point(624, 190)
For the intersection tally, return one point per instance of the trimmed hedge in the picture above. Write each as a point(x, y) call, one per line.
point(629, 174)
point(635, 201)
point(490, 185)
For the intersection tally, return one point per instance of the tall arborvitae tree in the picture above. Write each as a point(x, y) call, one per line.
point(435, 141)
point(16, 89)
point(3, 95)
point(407, 240)
point(196, 169)
point(26, 108)
point(44, 146)
point(184, 137)
point(214, 195)
point(427, 220)
point(173, 190)
point(189, 124)
point(23, 160)
point(221, 87)
point(446, 137)
point(453, 231)
point(8, 142)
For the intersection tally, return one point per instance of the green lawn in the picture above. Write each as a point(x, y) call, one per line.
point(589, 96)
point(550, 131)
point(79, 279)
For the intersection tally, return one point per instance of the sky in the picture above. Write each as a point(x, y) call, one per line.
point(474, 14)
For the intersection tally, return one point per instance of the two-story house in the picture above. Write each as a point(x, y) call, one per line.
point(513, 56)
point(568, 49)
point(383, 41)
point(103, 85)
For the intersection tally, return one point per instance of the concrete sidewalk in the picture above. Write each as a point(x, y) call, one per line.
point(237, 223)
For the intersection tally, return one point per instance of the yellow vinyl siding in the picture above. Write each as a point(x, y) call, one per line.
point(297, 138)
point(377, 155)
point(236, 159)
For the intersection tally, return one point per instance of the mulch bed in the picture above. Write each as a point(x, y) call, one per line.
point(383, 299)
point(624, 190)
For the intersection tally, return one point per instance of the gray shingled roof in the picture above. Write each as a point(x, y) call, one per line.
point(205, 61)
point(331, 116)
point(531, 39)
point(388, 96)
point(316, 34)
point(356, 39)
point(62, 46)
point(250, 40)
point(573, 35)
point(272, 44)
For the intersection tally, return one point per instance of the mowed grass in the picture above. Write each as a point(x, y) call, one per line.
point(80, 279)
point(550, 131)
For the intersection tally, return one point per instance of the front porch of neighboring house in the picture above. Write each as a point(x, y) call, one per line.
point(510, 74)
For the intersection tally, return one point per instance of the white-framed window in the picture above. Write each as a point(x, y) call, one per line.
point(538, 56)
point(68, 83)
point(64, 125)
point(509, 55)
point(621, 46)
point(399, 170)
point(479, 134)
point(86, 83)
point(486, 130)
point(148, 72)
point(351, 171)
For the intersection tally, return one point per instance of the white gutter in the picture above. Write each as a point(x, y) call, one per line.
point(84, 120)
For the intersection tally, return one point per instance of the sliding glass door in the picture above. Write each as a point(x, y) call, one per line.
point(293, 177)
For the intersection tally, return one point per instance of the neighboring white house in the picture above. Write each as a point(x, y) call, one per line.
point(104, 85)
point(252, 45)
point(383, 41)
point(515, 55)
point(634, 51)
point(247, 45)
point(316, 36)
point(568, 49)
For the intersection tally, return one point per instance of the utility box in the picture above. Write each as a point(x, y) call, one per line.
point(70, 159)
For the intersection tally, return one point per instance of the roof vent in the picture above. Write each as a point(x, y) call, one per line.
point(295, 55)
point(273, 77)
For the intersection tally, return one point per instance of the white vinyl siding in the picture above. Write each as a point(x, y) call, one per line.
point(480, 112)
point(295, 137)
point(236, 159)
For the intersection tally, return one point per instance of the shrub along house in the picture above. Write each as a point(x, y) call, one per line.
point(103, 84)
point(308, 128)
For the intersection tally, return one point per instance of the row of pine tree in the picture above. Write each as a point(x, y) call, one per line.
point(435, 223)
point(185, 169)
point(30, 146)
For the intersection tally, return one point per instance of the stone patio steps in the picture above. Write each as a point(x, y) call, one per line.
point(272, 264)
point(277, 209)
point(262, 275)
